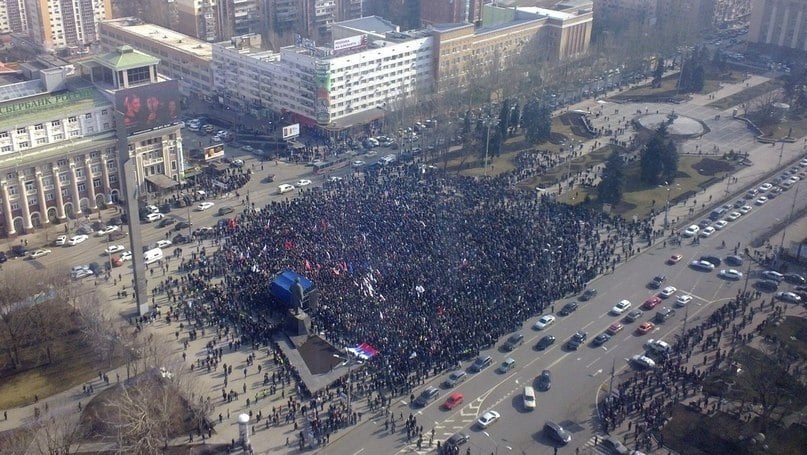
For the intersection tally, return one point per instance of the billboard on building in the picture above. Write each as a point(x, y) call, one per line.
point(346, 44)
point(214, 151)
point(291, 131)
point(149, 107)
point(322, 76)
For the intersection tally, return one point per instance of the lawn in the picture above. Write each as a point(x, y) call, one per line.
point(638, 199)
point(74, 363)
point(747, 95)
point(792, 332)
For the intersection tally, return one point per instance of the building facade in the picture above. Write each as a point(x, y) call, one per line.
point(182, 58)
point(464, 52)
point(779, 23)
point(199, 18)
point(59, 24)
point(450, 11)
point(59, 142)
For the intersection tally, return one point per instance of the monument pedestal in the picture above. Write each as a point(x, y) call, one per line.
point(298, 323)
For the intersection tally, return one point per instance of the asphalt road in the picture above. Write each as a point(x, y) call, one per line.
point(577, 375)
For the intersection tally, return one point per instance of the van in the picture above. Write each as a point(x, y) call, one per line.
point(153, 255)
point(664, 314)
point(717, 213)
point(529, 398)
point(285, 188)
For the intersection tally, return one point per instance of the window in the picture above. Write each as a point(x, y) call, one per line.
point(113, 178)
point(139, 75)
point(15, 206)
point(41, 140)
point(95, 168)
point(25, 144)
point(65, 193)
point(88, 115)
point(96, 183)
point(21, 131)
point(61, 163)
point(93, 154)
point(32, 201)
point(48, 196)
point(56, 123)
point(63, 178)
point(79, 172)
point(39, 127)
point(74, 133)
point(72, 119)
point(58, 137)
point(29, 186)
point(3, 134)
point(82, 187)
point(5, 148)
point(104, 112)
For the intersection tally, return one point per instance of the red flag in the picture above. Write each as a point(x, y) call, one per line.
point(288, 245)
point(307, 265)
point(440, 310)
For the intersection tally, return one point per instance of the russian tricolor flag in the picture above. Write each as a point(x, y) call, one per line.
point(364, 351)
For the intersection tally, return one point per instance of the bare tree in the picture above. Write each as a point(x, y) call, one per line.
point(58, 431)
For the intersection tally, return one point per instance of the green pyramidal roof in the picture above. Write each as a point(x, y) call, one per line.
point(125, 57)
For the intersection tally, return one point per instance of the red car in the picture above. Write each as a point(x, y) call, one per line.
point(614, 328)
point(454, 400)
point(674, 259)
point(651, 302)
point(645, 327)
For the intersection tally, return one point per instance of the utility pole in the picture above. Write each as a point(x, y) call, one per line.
point(789, 220)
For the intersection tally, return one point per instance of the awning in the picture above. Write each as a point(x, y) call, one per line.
point(161, 181)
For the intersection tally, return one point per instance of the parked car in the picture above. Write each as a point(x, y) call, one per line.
point(427, 396)
point(576, 340)
point(545, 342)
point(600, 339)
point(588, 294)
point(643, 361)
point(633, 316)
point(655, 283)
point(767, 285)
point(455, 378)
point(544, 322)
point(557, 432)
point(76, 239)
point(481, 363)
point(568, 309)
point(508, 364)
point(621, 307)
point(513, 341)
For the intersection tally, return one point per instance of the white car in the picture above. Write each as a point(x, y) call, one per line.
point(152, 209)
point(643, 361)
point(720, 224)
point(692, 230)
point(164, 243)
point(76, 239)
point(733, 216)
point(745, 209)
point(112, 249)
point(152, 217)
point(61, 240)
point(487, 419)
point(702, 265)
point(667, 292)
point(107, 230)
point(284, 188)
point(707, 231)
point(334, 179)
point(731, 274)
point(81, 273)
point(247, 148)
point(126, 256)
point(621, 307)
point(765, 187)
point(683, 299)
point(788, 297)
point(303, 182)
point(761, 200)
point(544, 322)
point(39, 253)
point(358, 163)
point(204, 206)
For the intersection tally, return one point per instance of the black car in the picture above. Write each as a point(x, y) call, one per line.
point(600, 339)
point(734, 260)
point(225, 210)
point(655, 283)
point(576, 340)
point(556, 432)
point(481, 363)
point(165, 222)
point(633, 316)
point(794, 278)
point(457, 440)
point(427, 396)
point(513, 341)
point(3, 257)
point(767, 285)
point(588, 294)
point(180, 239)
point(115, 221)
point(19, 251)
point(544, 381)
point(181, 225)
point(568, 309)
point(714, 260)
point(545, 342)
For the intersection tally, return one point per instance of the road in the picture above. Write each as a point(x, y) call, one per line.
point(577, 375)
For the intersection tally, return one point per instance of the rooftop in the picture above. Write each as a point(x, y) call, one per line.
point(79, 97)
point(369, 24)
point(126, 57)
point(165, 36)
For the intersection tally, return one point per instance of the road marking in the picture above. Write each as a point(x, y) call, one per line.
point(596, 373)
point(592, 322)
point(593, 362)
point(359, 451)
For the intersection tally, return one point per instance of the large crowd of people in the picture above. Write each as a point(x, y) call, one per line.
point(427, 268)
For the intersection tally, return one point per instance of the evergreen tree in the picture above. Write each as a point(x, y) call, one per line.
point(609, 190)
point(504, 117)
point(659, 159)
point(536, 119)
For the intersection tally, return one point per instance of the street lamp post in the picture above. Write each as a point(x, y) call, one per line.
point(349, 362)
point(667, 207)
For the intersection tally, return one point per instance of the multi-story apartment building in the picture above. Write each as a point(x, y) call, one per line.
point(12, 16)
point(59, 24)
point(450, 11)
point(779, 24)
point(464, 52)
point(353, 82)
point(200, 19)
point(182, 58)
point(59, 138)
point(239, 17)
point(732, 11)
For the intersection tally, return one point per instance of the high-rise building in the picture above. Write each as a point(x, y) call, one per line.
point(450, 11)
point(199, 18)
point(55, 24)
point(239, 17)
point(779, 23)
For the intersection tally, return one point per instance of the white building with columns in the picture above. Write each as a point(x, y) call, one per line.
point(59, 142)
